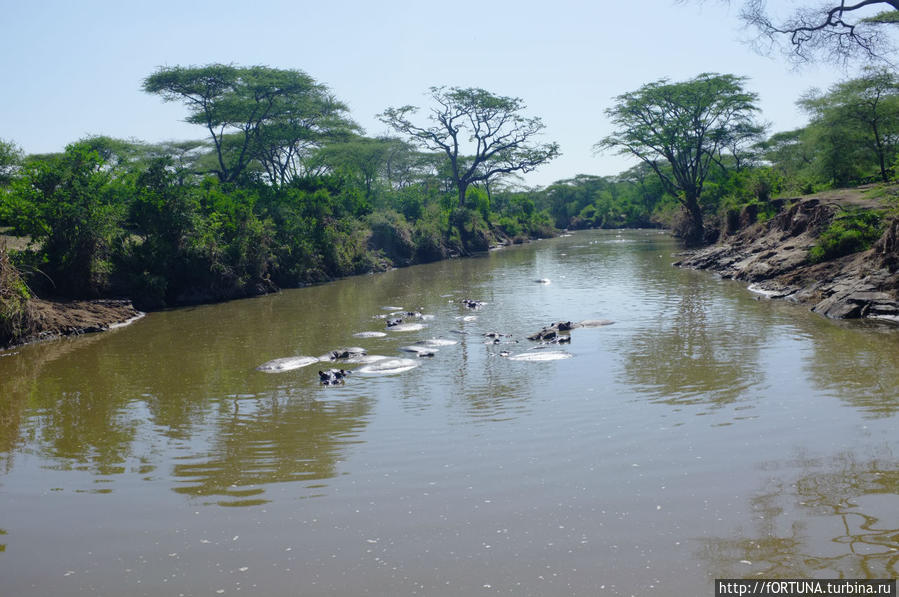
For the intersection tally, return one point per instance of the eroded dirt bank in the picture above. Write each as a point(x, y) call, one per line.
point(773, 257)
point(53, 319)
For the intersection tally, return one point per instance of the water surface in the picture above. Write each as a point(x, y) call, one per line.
point(704, 434)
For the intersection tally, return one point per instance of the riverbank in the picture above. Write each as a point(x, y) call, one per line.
point(773, 256)
point(38, 319)
point(47, 320)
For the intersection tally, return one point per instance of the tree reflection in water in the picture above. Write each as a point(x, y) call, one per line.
point(864, 369)
point(695, 352)
point(836, 522)
point(257, 442)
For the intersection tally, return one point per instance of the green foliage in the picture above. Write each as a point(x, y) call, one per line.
point(10, 158)
point(73, 209)
point(500, 137)
point(262, 114)
point(14, 296)
point(681, 130)
point(477, 199)
point(391, 234)
point(850, 232)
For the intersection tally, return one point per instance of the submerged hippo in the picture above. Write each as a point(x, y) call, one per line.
point(345, 353)
point(472, 304)
point(332, 377)
point(420, 351)
point(551, 331)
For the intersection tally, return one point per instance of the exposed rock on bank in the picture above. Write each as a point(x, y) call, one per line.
point(773, 257)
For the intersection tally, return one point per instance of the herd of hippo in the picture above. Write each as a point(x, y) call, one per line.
point(398, 320)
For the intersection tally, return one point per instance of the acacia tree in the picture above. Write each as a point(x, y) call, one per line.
point(481, 134)
point(837, 30)
point(10, 157)
point(868, 104)
point(258, 112)
point(681, 130)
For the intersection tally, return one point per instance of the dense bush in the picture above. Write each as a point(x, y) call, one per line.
point(850, 232)
point(14, 295)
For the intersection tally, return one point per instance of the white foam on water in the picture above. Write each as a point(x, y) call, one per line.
point(553, 355)
point(286, 364)
point(388, 367)
point(369, 334)
point(406, 327)
point(436, 342)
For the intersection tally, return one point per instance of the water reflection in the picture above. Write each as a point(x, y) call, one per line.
point(258, 442)
point(696, 350)
point(471, 465)
point(836, 520)
point(859, 365)
point(76, 421)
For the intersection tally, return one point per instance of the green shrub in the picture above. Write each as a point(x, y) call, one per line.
point(391, 233)
point(14, 296)
point(850, 232)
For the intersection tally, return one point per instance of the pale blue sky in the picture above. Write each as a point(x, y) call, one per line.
point(74, 68)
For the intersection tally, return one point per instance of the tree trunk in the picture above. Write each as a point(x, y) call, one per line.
point(463, 188)
point(880, 151)
point(695, 232)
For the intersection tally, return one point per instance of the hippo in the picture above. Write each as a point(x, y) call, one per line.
point(552, 330)
point(472, 304)
point(394, 322)
point(420, 351)
point(345, 353)
point(332, 377)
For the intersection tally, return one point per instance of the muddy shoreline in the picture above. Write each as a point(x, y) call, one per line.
point(55, 319)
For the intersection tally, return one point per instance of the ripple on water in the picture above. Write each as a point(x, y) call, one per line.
point(369, 334)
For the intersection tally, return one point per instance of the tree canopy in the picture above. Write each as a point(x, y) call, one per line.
point(481, 134)
point(254, 113)
point(682, 130)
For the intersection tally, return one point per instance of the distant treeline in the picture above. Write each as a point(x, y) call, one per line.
point(285, 190)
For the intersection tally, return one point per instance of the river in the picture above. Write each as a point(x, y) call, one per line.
point(707, 433)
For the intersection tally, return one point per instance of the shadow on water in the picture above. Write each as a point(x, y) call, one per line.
point(834, 519)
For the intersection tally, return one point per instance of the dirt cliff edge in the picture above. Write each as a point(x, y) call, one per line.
point(773, 257)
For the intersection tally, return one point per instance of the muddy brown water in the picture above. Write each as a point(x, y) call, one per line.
point(705, 434)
